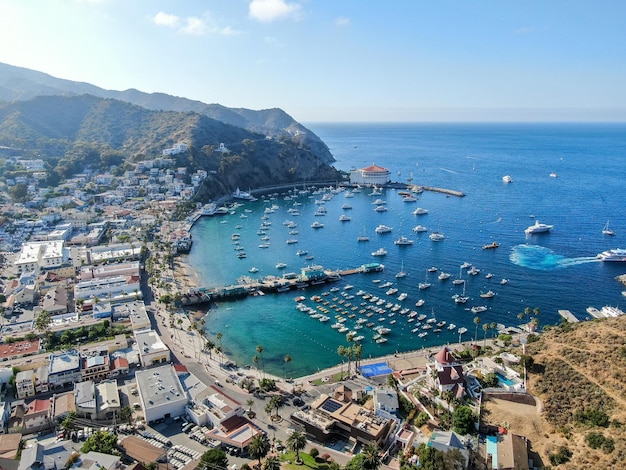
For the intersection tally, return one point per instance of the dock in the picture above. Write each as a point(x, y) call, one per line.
point(569, 316)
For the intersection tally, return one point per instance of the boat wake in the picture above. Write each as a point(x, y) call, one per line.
point(544, 259)
point(449, 171)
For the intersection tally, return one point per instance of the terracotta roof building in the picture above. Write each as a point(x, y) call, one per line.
point(373, 175)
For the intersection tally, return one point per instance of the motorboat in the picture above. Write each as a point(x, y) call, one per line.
point(487, 295)
point(503, 281)
point(553, 175)
point(281, 265)
point(491, 246)
point(402, 272)
point(291, 241)
point(391, 291)
point(345, 218)
point(383, 229)
point(378, 202)
point(362, 238)
point(538, 228)
point(420, 211)
point(432, 269)
point(437, 236)
point(419, 229)
point(607, 231)
point(462, 330)
point(379, 252)
point(419, 303)
point(317, 224)
point(443, 276)
point(253, 270)
point(409, 198)
point(346, 206)
point(615, 255)
point(381, 209)
point(301, 252)
point(478, 309)
point(403, 241)
point(507, 179)
point(402, 296)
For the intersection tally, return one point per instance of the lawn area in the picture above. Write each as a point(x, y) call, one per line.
point(338, 377)
point(307, 462)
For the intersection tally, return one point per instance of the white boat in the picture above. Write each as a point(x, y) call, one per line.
point(478, 309)
point(379, 252)
point(460, 299)
point(462, 330)
point(553, 175)
point(391, 291)
point(403, 241)
point(422, 334)
point(424, 285)
point(473, 271)
point(538, 228)
point(403, 296)
point(253, 270)
point(419, 229)
point(437, 236)
point(380, 209)
point(443, 276)
point(346, 206)
point(362, 238)
point(383, 229)
point(616, 255)
point(451, 326)
point(419, 303)
point(301, 252)
point(487, 295)
point(420, 211)
point(378, 202)
point(291, 241)
point(243, 195)
point(409, 199)
point(345, 218)
point(402, 272)
point(503, 281)
point(607, 231)
point(507, 179)
point(281, 265)
point(381, 340)
point(317, 224)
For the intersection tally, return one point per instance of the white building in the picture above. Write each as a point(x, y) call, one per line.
point(151, 349)
point(35, 256)
point(175, 149)
point(161, 394)
point(371, 176)
point(386, 402)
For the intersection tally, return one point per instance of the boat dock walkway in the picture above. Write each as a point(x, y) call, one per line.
point(569, 316)
point(247, 285)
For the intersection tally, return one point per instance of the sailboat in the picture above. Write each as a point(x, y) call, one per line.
point(606, 230)
point(425, 284)
point(363, 238)
point(461, 299)
point(460, 280)
point(402, 272)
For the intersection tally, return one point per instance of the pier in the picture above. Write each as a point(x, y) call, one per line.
point(569, 316)
point(449, 192)
point(309, 276)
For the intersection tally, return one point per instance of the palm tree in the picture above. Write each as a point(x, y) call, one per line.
point(277, 403)
point(218, 336)
point(250, 402)
point(295, 443)
point(42, 323)
point(208, 346)
point(476, 322)
point(341, 350)
point(357, 350)
point(288, 362)
point(371, 457)
point(486, 327)
point(349, 353)
point(272, 463)
point(126, 414)
point(259, 447)
point(494, 327)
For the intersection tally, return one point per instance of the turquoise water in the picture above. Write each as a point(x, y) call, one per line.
point(492, 448)
point(549, 272)
point(506, 381)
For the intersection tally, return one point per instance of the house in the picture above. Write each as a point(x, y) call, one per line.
point(53, 456)
point(386, 402)
point(448, 373)
point(119, 367)
point(151, 349)
point(37, 416)
point(511, 453)
point(25, 384)
point(64, 369)
point(448, 440)
point(85, 399)
point(97, 461)
point(55, 301)
point(9, 445)
point(141, 450)
point(62, 405)
point(96, 368)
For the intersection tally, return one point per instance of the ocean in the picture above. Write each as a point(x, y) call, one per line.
point(550, 271)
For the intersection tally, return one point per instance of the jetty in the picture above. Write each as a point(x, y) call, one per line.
point(569, 316)
point(449, 192)
point(248, 286)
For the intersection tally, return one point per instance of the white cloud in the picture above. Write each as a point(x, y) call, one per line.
point(270, 10)
point(194, 26)
point(164, 19)
point(343, 21)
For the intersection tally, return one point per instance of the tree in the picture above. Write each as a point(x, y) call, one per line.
point(371, 457)
point(296, 442)
point(250, 402)
point(213, 459)
point(464, 420)
point(126, 414)
point(259, 447)
point(259, 350)
point(476, 322)
point(272, 463)
point(68, 423)
point(341, 350)
point(288, 362)
point(42, 323)
point(99, 441)
point(218, 336)
point(486, 327)
point(357, 350)
point(277, 403)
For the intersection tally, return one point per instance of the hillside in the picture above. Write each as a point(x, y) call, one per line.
point(20, 84)
point(578, 374)
point(73, 133)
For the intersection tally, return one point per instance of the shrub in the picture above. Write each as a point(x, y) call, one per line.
point(314, 452)
point(421, 419)
point(592, 418)
point(563, 455)
point(596, 440)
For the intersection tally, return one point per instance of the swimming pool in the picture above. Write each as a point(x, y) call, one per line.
point(506, 381)
point(492, 448)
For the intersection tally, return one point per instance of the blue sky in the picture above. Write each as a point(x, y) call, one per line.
point(340, 60)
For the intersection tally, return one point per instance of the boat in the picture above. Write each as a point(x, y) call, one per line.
point(291, 241)
point(437, 236)
point(301, 252)
point(241, 255)
point(317, 224)
point(381, 340)
point(487, 295)
point(503, 281)
point(615, 255)
point(281, 265)
point(460, 299)
point(243, 195)
point(507, 179)
point(491, 246)
point(422, 334)
point(403, 296)
point(478, 309)
point(462, 330)
point(378, 202)
point(473, 271)
point(419, 229)
point(607, 231)
point(419, 303)
point(538, 228)
point(451, 326)
point(381, 209)
point(553, 175)
point(424, 285)
point(345, 218)
point(383, 229)
point(253, 270)
point(379, 252)
point(403, 241)
point(432, 269)
point(420, 211)
point(300, 298)
point(391, 291)
point(402, 272)
point(409, 198)
point(346, 206)
point(443, 276)
point(488, 276)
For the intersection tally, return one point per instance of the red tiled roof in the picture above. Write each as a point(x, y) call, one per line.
point(444, 356)
point(120, 363)
point(180, 369)
point(451, 375)
point(38, 405)
point(375, 168)
point(19, 349)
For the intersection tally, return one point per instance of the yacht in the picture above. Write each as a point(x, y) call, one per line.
point(291, 241)
point(507, 179)
point(607, 231)
point(419, 229)
point(379, 202)
point(391, 291)
point(420, 211)
point(462, 330)
point(503, 281)
point(346, 206)
point(317, 224)
point(301, 252)
point(553, 175)
point(383, 229)
point(437, 236)
point(281, 265)
point(419, 303)
point(443, 276)
point(381, 209)
point(538, 228)
point(478, 309)
point(362, 238)
point(243, 195)
point(487, 295)
point(402, 296)
point(409, 198)
point(491, 246)
point(379, 252)
point(253, 270)
point(403, 241)
point(345, 218)
point(616, 255)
